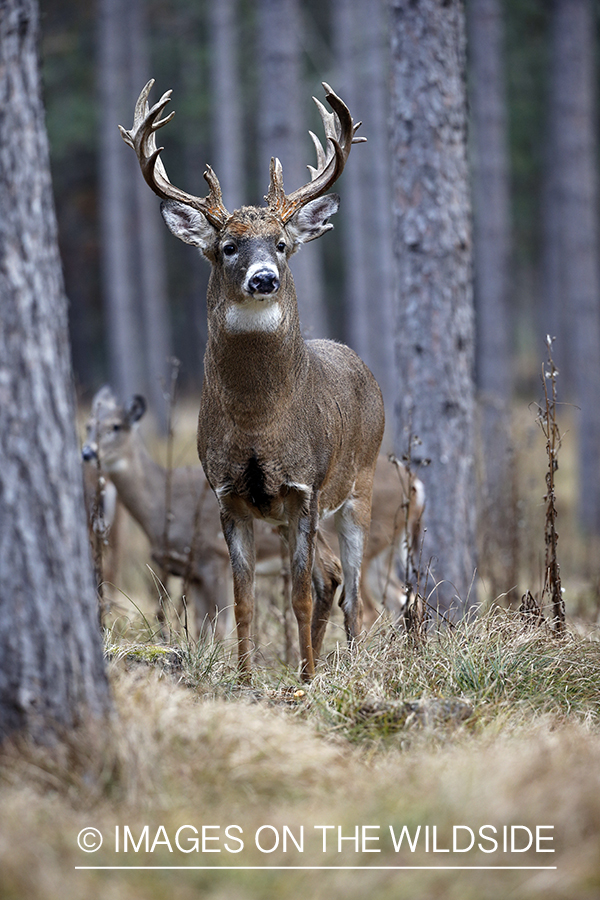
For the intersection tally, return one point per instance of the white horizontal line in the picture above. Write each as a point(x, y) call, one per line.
point(322, 868)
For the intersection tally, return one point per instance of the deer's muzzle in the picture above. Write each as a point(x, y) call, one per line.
point(89, 452)
point(264, 281)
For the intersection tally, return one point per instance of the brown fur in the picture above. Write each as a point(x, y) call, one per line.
point(195, 549)
point(277, 412)
point(288, 430)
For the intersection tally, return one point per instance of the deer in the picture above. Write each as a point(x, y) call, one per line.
point(394, 538)
point(114, 449)
point(184, 529)
point(289, 430)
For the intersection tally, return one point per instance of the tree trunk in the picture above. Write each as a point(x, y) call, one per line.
point(193, 130)
point(117, 171)
point(491, 251)
point(51, 668)
point(434, 325)
point(367, 215)
point(356, 292)
point(573, 176)
point(283, 134)
point(226, 100)
point(149, 230)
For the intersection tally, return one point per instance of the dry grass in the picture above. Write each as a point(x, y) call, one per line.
point(494, 723)
point(491, 725)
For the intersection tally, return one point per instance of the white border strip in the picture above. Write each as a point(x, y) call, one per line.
point(324, 868)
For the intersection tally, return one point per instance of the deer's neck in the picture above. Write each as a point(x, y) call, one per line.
point(141, 486)
point(254, 373)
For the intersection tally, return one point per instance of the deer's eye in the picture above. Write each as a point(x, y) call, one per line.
point(281, 246)
point(229, 249)
point(116, 426)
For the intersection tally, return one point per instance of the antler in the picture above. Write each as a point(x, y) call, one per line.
point(340, 134)
point(142, 139)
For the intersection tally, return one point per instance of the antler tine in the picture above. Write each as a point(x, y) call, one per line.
point(322, 159)
point(142, 138)
point(340, 135)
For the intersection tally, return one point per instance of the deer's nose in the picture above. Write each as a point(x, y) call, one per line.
point(89, 452)
point(265, 282)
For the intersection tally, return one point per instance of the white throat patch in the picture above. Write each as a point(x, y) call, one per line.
point(116, 466)
point(254, 315)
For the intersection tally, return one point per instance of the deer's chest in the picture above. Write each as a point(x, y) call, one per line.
point(259, 486)
point(264, 488)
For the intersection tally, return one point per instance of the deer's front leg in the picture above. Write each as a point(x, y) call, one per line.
point(303, 520)
point(238, 529)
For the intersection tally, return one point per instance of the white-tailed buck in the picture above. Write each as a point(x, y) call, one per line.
point(288, 430)
point(184, 529)
point(177, 511)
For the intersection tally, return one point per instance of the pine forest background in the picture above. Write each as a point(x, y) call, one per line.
point(242, 74)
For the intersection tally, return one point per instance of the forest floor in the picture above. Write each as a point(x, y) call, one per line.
point(462, 765)
point(482, 743)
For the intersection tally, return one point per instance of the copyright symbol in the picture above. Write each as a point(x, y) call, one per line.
point(89, 840)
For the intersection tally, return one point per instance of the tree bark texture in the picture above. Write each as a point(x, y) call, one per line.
point(51, 666)
point(435, 322)
point(573, 178)
point(491, 256)
point(365, 189)
point(284, 134)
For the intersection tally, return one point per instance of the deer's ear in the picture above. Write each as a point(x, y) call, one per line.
point(135, 408)
point(310, 222)
point(188, 224)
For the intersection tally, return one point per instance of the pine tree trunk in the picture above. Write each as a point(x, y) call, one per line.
point(574, 177)
point(197, 151)
point(491, 251)
point(434, 325)
point(149, 231)
point(283, 134)
point(367, 215)
point(51, 668)
point(226, 100)
point(117, 174)
point(356, 293)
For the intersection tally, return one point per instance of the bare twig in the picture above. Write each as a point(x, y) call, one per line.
point(416, 615)
point(170, 398)
point(547, 420)
point(98, 531)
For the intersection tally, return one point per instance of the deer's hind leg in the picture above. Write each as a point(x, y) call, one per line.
point(326, 578)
